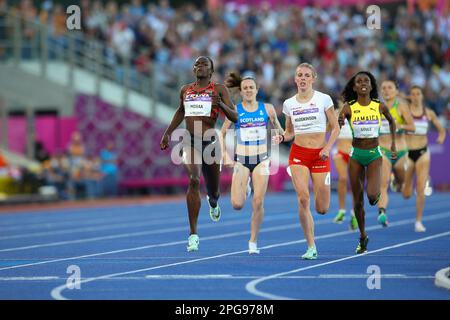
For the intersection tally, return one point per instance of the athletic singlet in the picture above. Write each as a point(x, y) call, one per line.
point(251, 127)
point(421, 124)
point(346, 131)
point(198, 103)
point(385, 129)
point(365, 120)
point(308, 117)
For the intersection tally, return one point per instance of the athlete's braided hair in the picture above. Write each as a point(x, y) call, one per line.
point(348, 94)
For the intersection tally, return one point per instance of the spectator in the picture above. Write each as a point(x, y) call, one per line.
point(92, 176)
point(109, 170)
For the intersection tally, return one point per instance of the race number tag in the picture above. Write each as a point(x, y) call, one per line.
point(198, 107)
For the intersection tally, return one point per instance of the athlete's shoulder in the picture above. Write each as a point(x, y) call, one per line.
point(291, 99)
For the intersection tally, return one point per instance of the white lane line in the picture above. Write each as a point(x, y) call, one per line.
point(251, 286)
point(223, 276)
point(236, 277)
point(123, 223)
point(277, 216)
point(228, 235)
point(151, 232)
point(56, 292)
point(28, 278)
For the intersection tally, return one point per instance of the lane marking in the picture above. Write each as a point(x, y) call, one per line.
point(142, 233)
point(251, 286)
point(56, 293)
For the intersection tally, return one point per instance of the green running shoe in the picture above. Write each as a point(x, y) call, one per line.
point(310, 254)
point(382, 219)
point(339, 217)
point(353, 223)
point(362, 245)
point(214, 213)
point(193, 242)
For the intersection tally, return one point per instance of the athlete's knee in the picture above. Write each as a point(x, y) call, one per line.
point(406, 194)
point(342, 180)
point(237, 204)
point(322, 210)
point(194, 182)
point(303, 200)
point(374, 198)
point(257, 202)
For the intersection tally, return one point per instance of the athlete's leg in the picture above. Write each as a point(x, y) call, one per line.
point(356, 173)
point(211, 173)
point(408, 185)
point(322, 190)
point(260, 177)
point(342, 170)
point(300, 180)
point(386, 169)
point(193, 193)
point(399, 170)
point(239, 183)
point(373, 181)
point(422, 173)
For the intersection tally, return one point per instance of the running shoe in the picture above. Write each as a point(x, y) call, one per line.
point(393, 183)
point(193, 242)
point(419, 227)
point(214, 213)
point(353, 223)
point(428, 191)
point(253, 248)
point(249, 188)
point(362, 245)
point(340, 216)
point(383, 220)
point(310, 254)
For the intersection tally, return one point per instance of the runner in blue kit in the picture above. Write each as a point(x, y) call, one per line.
point(251, 151)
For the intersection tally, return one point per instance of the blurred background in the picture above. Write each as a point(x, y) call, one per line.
point(82, 111)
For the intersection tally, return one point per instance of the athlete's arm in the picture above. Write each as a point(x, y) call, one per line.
point(273, 118)
point(346, 113)
point(288, 134)
point(176, 120)
point(435, 121)
point(385, 111)
point(226, 104)
point(334, 126)
point(409, 121)
point(222, 137)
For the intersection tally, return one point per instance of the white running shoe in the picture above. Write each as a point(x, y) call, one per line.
point(428, 191)
point(193, 242)
point(253, 248)
point(214, 213)
point(418, 227)
point(249, 188)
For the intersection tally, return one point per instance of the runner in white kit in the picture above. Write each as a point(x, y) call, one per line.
point(307, 114)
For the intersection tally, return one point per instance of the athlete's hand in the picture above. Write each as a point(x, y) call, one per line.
point(164, 144)
point(324, 153)
point(341, 120)
point(215, 99)
point(277, 139)
point(393, 153)
point(440, 139)
point(227, 161)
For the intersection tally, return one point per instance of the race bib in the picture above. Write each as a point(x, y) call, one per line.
point(385, 129)
point(253, 133)
point(200, 107)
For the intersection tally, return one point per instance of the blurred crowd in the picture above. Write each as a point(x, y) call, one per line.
point(76, 174)
point(412, 47)
point(66, 175)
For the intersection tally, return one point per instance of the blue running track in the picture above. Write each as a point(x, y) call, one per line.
point(139, 252)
